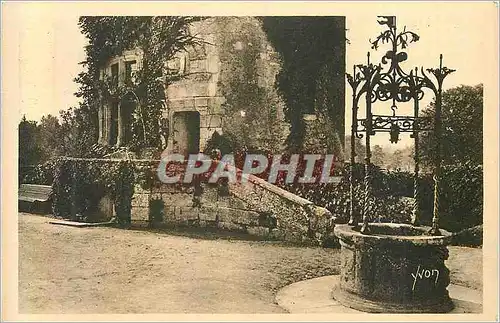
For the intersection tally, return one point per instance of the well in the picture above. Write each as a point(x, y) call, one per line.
point(398, 268)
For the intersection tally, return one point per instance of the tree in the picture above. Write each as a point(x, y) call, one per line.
point(396, 160)
point(359, 148)
point(38, 143)
point(402, 159)
point(378, 156)
point(29, 150)
point(50, 137)
point(462, 127)
point(462, 156)
point(78, 133)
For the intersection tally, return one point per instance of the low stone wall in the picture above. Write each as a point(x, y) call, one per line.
point(255, 207)
point(252, 206)
point(297, 219)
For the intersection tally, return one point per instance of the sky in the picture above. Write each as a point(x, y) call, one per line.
point(50, 45)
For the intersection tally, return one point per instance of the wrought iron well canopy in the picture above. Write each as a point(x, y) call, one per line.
point(387, 82)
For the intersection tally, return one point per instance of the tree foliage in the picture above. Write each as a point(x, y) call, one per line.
point(29, 150)
point(462, 120)
point(401, 159)
point(462, 156)
point(378, 156)
point(359, 149)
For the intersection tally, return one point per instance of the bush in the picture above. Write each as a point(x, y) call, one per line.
point(79, 184)
point(462, 196)
point(42, 174)
point(387, 204)
point(62, 190)
point(471, 237)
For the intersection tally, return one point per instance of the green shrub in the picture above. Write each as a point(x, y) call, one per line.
point(42, 174)
point(387, 205)
point(61, 189)
point(79, 184)
point(462, 196)
point(471, 237)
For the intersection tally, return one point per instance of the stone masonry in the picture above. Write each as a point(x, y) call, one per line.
point(256, 207)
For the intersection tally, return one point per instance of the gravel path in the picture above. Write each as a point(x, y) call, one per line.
point(106, 270)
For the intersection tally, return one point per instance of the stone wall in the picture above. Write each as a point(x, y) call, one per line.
point(220, 78)
point(197, 90)
point(256, 207)
point(297, 219)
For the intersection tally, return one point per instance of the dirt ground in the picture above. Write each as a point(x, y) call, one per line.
point(107, 270)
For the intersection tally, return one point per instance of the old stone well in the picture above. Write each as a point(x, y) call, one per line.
point(397, 268)
point(392, 267)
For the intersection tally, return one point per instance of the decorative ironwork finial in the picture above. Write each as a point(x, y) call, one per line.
point(390, 21)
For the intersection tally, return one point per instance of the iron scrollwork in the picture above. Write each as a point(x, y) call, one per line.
point(383, 123)
point(387, 81)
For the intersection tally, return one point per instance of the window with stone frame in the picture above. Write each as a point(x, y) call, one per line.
point(130, 68)
point(114, 74)
point(197, 52)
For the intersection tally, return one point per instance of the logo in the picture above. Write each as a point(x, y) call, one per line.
point(294, 168)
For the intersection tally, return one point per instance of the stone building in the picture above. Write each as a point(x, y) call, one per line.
point(195, 104)
point(228, 84)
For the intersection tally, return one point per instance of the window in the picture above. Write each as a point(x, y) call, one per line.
point(129, 68)
point(114, 74)
point(197, 52)
point(173, 66)
point(113, 131)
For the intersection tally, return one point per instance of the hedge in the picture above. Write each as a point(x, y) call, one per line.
point(79, 184)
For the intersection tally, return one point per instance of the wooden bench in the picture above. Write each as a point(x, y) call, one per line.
point(35, 198)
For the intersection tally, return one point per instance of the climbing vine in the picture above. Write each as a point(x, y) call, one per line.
point(61, 189)
point(247, 83)
point(158, 39)
point(311, 80)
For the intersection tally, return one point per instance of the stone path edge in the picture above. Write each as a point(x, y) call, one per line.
point(315, 296)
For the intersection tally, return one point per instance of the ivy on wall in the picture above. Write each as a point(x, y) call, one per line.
point(61, 189)
point(159, 39)
point(311, 80)
point(246, 81)
point(79, 185)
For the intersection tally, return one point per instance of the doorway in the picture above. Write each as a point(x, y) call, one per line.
point(186, 132)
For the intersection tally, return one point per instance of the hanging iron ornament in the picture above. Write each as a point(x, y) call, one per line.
point(387, 81)
point(394, 133)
